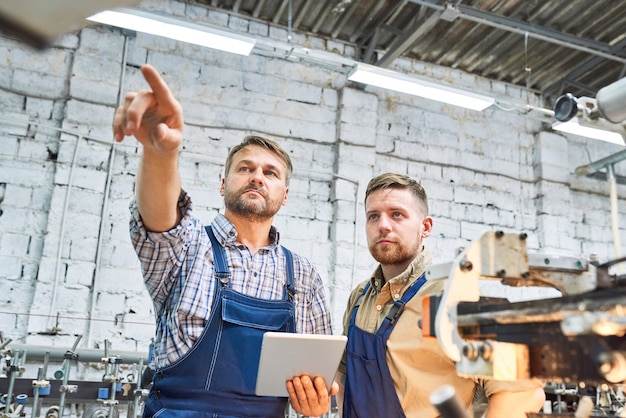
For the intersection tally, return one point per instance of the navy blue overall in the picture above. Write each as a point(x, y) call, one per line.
point(369, 389)
point(217, 377)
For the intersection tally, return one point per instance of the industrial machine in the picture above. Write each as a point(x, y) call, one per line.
point(53, 392)
point(575, 342)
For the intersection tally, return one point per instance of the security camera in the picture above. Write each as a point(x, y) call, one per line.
point(565, 107)
point(609, 104)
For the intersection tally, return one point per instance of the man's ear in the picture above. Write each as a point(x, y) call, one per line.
point(427, 223)
point(222, 186)
point(285, 196)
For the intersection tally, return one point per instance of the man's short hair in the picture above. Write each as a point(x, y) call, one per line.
point(264, 143)
point(398, 181)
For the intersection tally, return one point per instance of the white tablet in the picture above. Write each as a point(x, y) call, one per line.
point(285, 355)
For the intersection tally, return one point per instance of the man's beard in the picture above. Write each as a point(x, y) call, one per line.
point(391, 254)
point(259, 209)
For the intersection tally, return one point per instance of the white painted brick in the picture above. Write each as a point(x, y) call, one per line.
point(503, 200)
point(506, 219)
point(80, 177)
point(13, 220)
point(140, 328)
point(9, 146)
point(52, 61)
point(307, 112)
point(17, 196)
point(330, 98)
point(385, 143)
point(474, 213)
point(122, 187)
point(79, 273)
point(343, 231)
point(82, 248)
point(472, 231)
point(39, 108)
point(439, 208)
point(89, 119)
point(10, 267)
point(304, 229)
point(344, 190)
point(358, 100)
point(348, 170)
point(324, 212)
point(110, 304)
point(12, 244)
point(387, 163)
point(28, 173)
point(344, 211)
point(445, 227)
point(298, 208)
point(319, 190)
point(6, 75)
point(73, 300)
point(48, 85)
point(553, 228)
point(360, 116)
point(305, 93)
point(93, 90)
point(14, 122)
point(358, 135)
point(468, 195)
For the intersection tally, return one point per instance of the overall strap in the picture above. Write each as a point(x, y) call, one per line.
point(358, 303)
point(219, 256)
point(290, 290)
point(396, 310)
point(223, 272)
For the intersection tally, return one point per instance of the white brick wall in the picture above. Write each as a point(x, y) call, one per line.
point(482, 170)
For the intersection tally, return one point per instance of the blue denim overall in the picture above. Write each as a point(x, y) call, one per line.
point(369, 389)
point(217, 377)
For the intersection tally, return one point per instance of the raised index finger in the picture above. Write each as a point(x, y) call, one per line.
point(161, 91)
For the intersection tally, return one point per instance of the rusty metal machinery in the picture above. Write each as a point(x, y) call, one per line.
point(577, 337)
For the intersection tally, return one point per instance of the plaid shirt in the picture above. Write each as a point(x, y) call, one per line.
point(178, 271)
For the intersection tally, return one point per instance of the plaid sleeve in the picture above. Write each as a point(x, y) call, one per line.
point(313, 313)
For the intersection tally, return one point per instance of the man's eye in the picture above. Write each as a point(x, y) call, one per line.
point(244, 169)
point(372, 217)
point(270, 174)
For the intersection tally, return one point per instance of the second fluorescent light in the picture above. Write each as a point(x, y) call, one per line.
point(573, 126)
point(380, 77)
point(177, 29)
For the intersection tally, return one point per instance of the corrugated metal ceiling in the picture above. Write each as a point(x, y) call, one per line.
point(550, 46)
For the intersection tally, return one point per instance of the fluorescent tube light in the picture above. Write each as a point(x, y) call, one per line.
point(573, 126)
point(176, 29)
point(392, 80)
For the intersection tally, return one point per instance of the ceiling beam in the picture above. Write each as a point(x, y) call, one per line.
point(523, 28)
point(418, 29)
point(583, 69)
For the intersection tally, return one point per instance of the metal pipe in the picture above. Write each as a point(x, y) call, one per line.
point(138, 390)
point(34, 413)
point(84, 354)
point(13, 369)
point(610, 173)
point(57, 272)
point(586, 170)
point(105, 201)
point(67, 362)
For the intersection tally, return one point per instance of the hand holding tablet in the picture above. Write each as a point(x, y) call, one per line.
point(285, 355)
